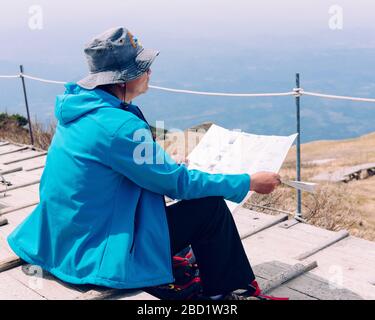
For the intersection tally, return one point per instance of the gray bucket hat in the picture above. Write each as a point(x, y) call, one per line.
point(116, 56)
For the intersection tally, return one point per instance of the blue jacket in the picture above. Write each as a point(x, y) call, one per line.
point(101, 217)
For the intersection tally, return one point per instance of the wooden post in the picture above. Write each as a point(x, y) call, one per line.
point(298, 153)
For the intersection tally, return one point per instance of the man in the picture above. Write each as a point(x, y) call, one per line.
point(102, 218)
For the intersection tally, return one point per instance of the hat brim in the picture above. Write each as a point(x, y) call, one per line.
point(134, 70)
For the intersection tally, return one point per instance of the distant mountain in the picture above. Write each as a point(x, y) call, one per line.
point(344, 71)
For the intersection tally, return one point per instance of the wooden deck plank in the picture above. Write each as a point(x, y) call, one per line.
point(311, 231)
point(20, 154)
point(285, 292)
point(141, 295)
point(8, 148)
point(322, 289)
point(25, 157)
point(114, 294)
point(308, 284)
point(22, 177)
point(11, 187)
point(10, 263)
point(283, 244)
point(343, 174)
point(9, 170)
point(19, 197)
point(350, 263)
point(45, 285)
point(4, 210)
point(249, 221)
point(324, 244)
point(14, 219)
point(4, 143)
point(289, 273)
point(10, 289)
point(3, 153)
point(5, 251)
point(32, 163)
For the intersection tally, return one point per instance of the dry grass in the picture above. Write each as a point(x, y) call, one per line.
point(42, 134)
point(335, 206)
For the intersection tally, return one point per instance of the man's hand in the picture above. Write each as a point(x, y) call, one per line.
point(264, 182)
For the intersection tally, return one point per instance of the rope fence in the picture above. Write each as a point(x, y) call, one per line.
point(330, 96)
point(296, 93)
point(222, 94)
point(41, 80)
point(7, 77)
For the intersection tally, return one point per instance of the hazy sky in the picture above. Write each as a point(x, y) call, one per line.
point(209, 45)
point(68, 24)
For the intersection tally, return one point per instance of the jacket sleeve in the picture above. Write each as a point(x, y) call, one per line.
point(137, 156)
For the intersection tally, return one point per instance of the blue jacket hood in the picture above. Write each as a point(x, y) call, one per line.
point(77, 101)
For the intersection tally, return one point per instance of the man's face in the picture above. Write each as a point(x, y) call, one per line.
point(139, 85)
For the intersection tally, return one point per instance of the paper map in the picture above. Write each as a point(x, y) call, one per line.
point(230, 151)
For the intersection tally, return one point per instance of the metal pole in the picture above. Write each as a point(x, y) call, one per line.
point(27, 105)
point(298, 160)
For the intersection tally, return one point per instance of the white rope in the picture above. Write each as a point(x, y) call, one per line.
point(296, 91)
point(225, 94)
point(8, 77)
point(181, 91)
point(329, 96)
point(42, 80)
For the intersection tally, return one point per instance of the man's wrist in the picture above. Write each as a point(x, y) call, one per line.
point(251, 183)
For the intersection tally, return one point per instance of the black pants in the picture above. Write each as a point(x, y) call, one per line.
point(208, 226)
